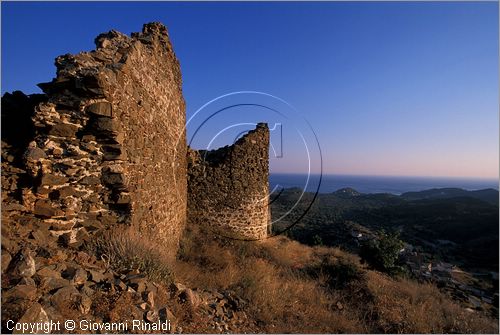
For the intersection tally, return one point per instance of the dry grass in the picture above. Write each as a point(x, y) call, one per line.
point(282, 297)
point(296, 288)
point(126, 250)
point(293, 288)
point(405, 305)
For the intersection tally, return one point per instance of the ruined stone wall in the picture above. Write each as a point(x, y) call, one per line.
point(105, 145)
point(228, 188)
point(109, 142)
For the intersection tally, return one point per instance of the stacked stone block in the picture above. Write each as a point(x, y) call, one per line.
point(105, 146)
point(228, 188)
point(108, 145)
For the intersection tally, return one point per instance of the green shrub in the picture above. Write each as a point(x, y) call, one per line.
point(383, 253)
point(317, 240)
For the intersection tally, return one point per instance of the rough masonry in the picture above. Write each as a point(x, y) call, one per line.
point(108, 143)
point(228, 188)
point(103, 148)
point(105, 145)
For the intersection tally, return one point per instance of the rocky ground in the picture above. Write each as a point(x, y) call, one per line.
point(59, 286)
point(49, 275)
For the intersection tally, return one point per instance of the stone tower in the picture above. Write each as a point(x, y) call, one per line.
point(228, 188)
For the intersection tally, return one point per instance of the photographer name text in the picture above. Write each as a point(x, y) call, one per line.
point(87, 325)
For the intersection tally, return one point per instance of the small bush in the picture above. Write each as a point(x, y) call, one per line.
point(317, 240)
point(126, 250)
point(383, 253)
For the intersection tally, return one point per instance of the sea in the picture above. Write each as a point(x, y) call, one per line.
point(375, 184)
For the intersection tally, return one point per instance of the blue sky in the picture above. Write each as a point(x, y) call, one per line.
point(388, 88)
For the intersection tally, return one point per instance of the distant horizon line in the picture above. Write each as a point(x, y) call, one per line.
point(497, 179)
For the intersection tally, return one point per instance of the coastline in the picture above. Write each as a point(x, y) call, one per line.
point(396, 185)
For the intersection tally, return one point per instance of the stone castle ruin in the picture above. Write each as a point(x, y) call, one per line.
point(228, 187)
point(106, 145)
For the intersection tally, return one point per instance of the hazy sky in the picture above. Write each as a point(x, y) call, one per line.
point(388, 88)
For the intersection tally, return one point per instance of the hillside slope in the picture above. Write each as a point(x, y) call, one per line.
point(488, 195)
point(218, 285)
point(291, 287)
point(425, 219)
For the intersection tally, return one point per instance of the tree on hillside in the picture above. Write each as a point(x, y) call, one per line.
point(383, 252)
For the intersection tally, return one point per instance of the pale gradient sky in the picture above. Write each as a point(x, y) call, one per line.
point(389, 88)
